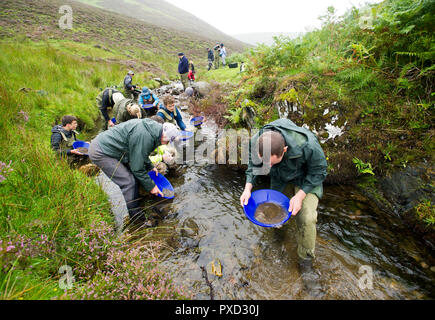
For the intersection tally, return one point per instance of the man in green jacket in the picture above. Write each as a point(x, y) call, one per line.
point(297, 166)
point(122, 153)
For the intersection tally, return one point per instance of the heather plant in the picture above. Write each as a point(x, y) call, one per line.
point(17, 252)
point(111, 268)
point(5, 169)
point(130, 275)
point(91, 249)
point(22, 260)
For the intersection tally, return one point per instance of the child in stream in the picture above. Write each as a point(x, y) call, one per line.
point(163, 157)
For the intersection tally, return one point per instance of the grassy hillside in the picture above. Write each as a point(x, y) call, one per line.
point(51, 215)
point(135, 44)
point(164, 14)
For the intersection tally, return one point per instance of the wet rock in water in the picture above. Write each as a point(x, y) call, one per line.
point(175, 91)
point(202, 88)
point(432, 268)
point(190, 243)
point(270, 213)
point(168, 193)
point(83, 150)
point(189, 228)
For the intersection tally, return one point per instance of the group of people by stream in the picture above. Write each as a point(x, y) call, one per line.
point(139, 132)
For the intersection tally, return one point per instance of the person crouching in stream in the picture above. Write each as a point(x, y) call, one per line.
point(170, 113)
point(297, 166)
point(127, 109)
point(148, 98)
point(122, 153)
point(163, 157)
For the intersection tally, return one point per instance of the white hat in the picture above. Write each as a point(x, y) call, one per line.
point(170, 132)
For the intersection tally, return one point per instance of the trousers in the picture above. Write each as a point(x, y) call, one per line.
point(121, 175)
point(306, 220)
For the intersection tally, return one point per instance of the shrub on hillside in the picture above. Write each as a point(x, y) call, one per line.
point(111, 268)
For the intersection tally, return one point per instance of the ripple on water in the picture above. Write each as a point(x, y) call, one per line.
point(261, 263)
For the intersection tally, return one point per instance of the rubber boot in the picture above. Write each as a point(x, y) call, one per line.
point(310, 278)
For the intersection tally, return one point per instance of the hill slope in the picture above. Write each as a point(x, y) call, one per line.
point(164, 14)
point(44, 204)
point(134, 43)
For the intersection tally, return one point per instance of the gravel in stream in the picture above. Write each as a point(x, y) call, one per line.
point(168, 193)
point(270, 213)
point(83, 150)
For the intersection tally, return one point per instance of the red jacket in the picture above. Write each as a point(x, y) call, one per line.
point(191, 76)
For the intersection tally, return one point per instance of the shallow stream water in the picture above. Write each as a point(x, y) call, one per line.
point(361, 253)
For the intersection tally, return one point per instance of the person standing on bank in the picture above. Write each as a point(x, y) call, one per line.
point(217, 53)
point(210, 58)
point(122, 153)
point(191, 75)
point(223, 54)
point(297, 167)
point(183, 69)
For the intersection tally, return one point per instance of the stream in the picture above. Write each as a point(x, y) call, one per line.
point(205, 222)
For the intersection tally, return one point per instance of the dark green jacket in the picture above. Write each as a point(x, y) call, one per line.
point(120, 111)
point(304, 163)
point(132, 142)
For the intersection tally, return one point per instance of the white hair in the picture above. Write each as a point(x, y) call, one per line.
point(170, 132)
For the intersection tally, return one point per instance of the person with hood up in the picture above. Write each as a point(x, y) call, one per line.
point(122, 153)
point(297, 166)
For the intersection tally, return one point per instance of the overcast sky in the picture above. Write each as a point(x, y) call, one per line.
point(247, 16)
